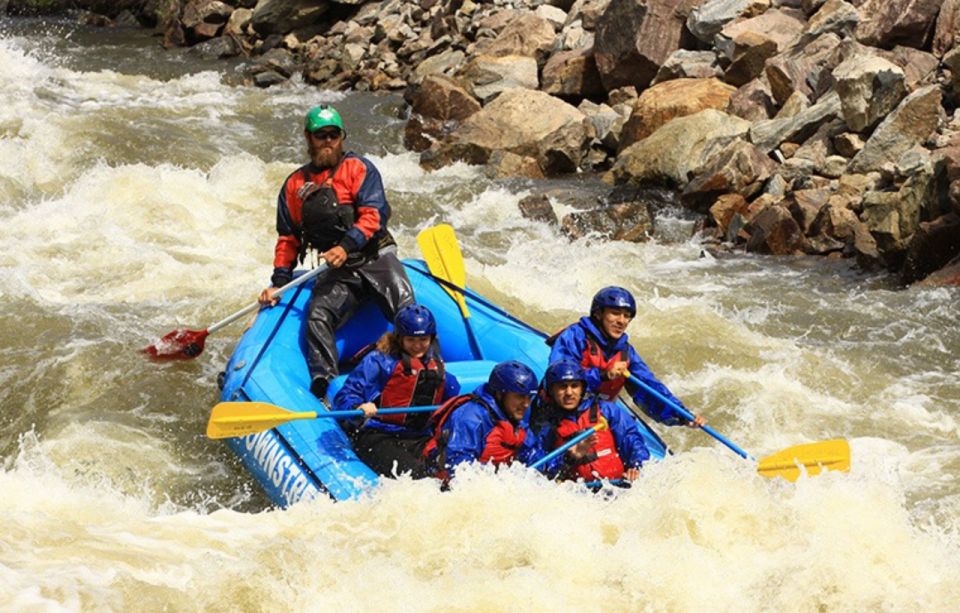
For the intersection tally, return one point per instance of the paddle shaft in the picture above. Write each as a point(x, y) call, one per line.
point(682, 412)
point(564, 447)
point(359, 413)
point(253, 307)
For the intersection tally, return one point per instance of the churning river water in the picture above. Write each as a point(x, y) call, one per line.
point(137, 194)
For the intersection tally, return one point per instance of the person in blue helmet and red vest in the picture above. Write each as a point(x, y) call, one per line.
point(615, 452)
point(335, 206)
point(601, 345)
point(404, 370)
point(488, 426)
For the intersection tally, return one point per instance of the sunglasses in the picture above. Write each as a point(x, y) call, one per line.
point(326, 134)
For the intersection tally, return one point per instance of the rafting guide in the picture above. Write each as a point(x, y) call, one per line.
point(335, 205)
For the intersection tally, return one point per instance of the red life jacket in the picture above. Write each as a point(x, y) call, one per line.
point(501, 445)
point(412, 383)
point(593, 358)
point(603, 461)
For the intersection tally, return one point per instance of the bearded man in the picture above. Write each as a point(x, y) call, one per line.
point(336, 206)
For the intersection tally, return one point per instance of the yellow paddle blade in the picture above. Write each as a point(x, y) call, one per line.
point(445, 261)
point(229, 419)
point(814, 457)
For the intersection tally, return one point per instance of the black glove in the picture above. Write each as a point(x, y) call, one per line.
point(281, 276)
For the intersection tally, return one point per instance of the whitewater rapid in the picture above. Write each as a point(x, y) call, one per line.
point(141, 199)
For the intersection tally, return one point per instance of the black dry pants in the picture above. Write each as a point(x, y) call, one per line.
point(390, 454)
point(336, 297)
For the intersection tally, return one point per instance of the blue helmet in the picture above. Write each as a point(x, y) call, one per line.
point(613, 297)
point(512, 376)
point(564, 370)
point(415, 320)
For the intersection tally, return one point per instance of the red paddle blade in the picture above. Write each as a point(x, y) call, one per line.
point(178, 345)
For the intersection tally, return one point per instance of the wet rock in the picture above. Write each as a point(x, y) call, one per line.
point(634, 37)
point(949, 275)
point(268, 78)
point(215, 48)
point(839, 223)
point(773, 231)
point(203, 19)
point(628, 221)
point(282, 16)
point(666, 101)
point(931, 248)
point(723, 211)
point(538, 208)
point(504, 164)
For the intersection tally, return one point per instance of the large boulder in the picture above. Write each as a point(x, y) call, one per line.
point(572, 74)
point(526, 122)
point(674, 151)
point(932, 247)
point(804, 68)
point(487, 76)
point(947, 32)
point(885, 23)
point(768, 135)
point(739, 168)
point(706, 20)
point(527, 35)
point(282, 16)
point(774, 231)
point(442, 98)
point(671, 99)
point(869, 88)
point(910, 124)
point(634, 37)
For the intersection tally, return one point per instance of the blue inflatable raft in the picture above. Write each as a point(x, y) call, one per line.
point(304, 459)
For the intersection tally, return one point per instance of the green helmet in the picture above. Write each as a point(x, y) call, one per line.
point(321, 117)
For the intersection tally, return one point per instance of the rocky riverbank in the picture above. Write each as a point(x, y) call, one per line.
point(792, 126)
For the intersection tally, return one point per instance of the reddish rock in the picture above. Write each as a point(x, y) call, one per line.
point(932, 246)
point(634, 37)
point(774, 232)
point(885, 23)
